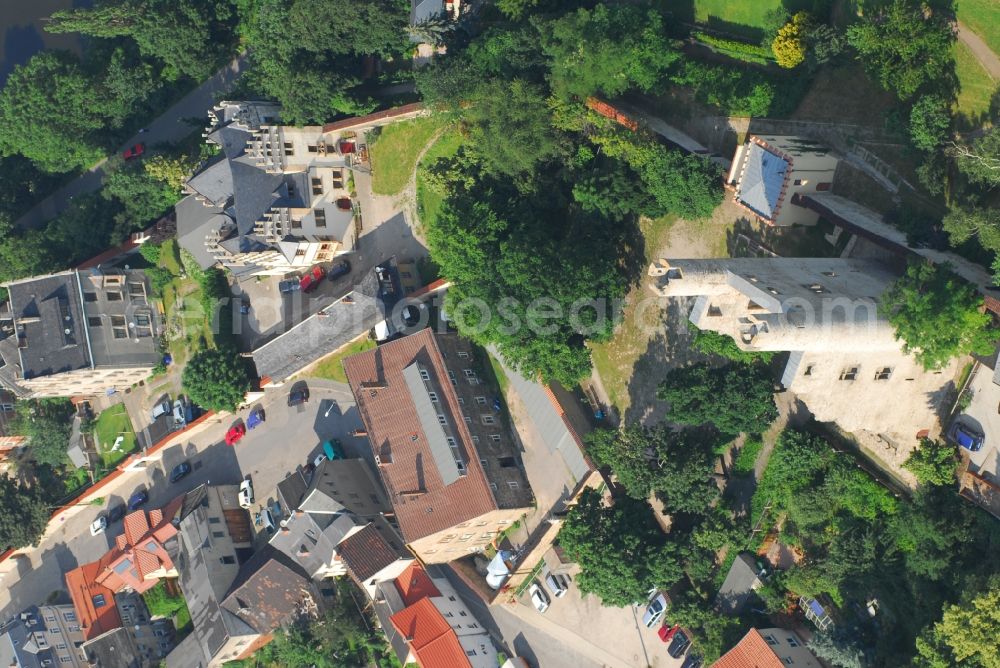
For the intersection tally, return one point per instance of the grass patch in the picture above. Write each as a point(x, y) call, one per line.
point(983, 16)
point(170, 257)
point(111, 424)
point(394, 153)
point(331, 367)
point(499, 373)
point(976, 86)
point(745, 460)
point(161, 603)
point(429, 201)
point(75, 479)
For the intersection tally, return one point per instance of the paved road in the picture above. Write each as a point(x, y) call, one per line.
point(290, 437)
point(982, 52)
point(168, 127)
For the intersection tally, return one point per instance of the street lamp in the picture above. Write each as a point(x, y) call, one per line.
point(327, 413)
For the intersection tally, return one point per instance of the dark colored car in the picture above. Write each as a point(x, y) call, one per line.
point(692, 661)
point(291, 285)
point(298, 397)
point(115, 514)
point(678, 645)
point(311, 280)
point(966, 437)
point(385, 282)
point(180, 471)
point(137, 499)
point(134, 151)
point(235, 433)
point(342, 268)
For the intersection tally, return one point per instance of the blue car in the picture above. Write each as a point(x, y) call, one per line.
point(256, 418)
point(333, 449)
point(966, 437)
point(137, 499)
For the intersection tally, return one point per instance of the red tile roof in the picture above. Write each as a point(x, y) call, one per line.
point(750, 652)
point(87, 593)
point(430, 637)
point(424, 505)
point(139, 552)
point(414, 584)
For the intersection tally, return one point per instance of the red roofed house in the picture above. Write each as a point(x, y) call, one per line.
point(428, 624)
point(448, 461)
point(136, 563)
point(768, 648)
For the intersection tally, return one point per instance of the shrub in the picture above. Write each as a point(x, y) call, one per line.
point(151, 252)
point(751, 53)
point(789, 46)
point(745, 460)
point(930, 119)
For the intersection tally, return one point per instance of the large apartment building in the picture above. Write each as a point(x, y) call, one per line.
point(78, 332)
point(845, 362)
point(45, 635)
point(446, 456)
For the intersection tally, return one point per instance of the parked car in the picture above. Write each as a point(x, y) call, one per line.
point(333, 449)
point(180, 471)
point(161, 409)
point(317, 461)
point(311, 280)
point(678, 645)
point(538, 598)
point(268, 520)
point(137, 500)
point(557, 584)
point(116, 513)
point(654, 611)
point(134, 151)
point(99, 525)
point(966, 436)
point(256, 418)
point(244, 307)
point(692, 661)
point(385, 282)
point(290, 285)
point(246, 494)
point(235, 434)
point(342, 268)
point(179, 420)
point(298, 397)
point(667, 633)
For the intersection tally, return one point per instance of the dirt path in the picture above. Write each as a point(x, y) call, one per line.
point(408, 198)
point(980, 50)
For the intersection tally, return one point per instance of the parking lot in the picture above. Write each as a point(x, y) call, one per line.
point(983, 416)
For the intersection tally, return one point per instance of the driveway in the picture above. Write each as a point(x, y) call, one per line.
point(290, 437)
point(983, 415)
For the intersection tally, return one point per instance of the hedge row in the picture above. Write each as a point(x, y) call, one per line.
point(751, 53)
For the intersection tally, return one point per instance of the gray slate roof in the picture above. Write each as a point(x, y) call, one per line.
point(114, 649)
point(763, 180)
point(738, 587)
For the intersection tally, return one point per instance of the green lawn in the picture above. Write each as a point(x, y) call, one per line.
point(331, 367)
point(740, 18)
point(976, 87)
point(429, 201)
point(983, 16)
point(109, 425)
point(394, 153)
point(170, 257)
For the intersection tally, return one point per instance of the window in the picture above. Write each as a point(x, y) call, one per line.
point(808, 371)
point(65, 659)
point(475, 439)
point(228, 560)
point(461, 401)
point(61, 645)
point(482, 462)
point(850, 373)
point(425, 375)
point(473, 625)
point(774, 291)
point(481, 401)
point(512, 484)
point(113, 296)
point(451, 598)
point(296, 224)
point(465, 537)
point(462, 613)
point(288, 148)
point(464, 355)
point(442, 420)
point(451, 442)
point(470, 652)
point(468, 420)
point(118, 327)
point(831, 274)
point(788, 661)
point(770, 640)
point(433, 396)
point(817, 288)
point(99, 601)
point(69, 616)
point(793, 641)
point(94, 321)
point(317, 186)
point(798, 182)
point(493, 486)
point(488, 419)
point(90, 296)
point(495, 438)
point(313, 148)
point(449, 614)
point(884, 373)
point(218, 534)
point(214, 520)
point(319, 215)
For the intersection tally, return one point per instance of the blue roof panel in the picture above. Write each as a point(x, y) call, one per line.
point(763, 179)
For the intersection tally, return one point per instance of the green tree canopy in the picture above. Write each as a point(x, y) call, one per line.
point(967, 633)
point(733, 398)
point(933, 463)
point(46, 424)
point(930, 118)
point(937, 315)
point(711, 342)
point(904, 45)
point(621, 549)
point(789, 45)
point(608, 50)
point(24, 513)
point(49, 112)
point(216, 379)
point(979, 159)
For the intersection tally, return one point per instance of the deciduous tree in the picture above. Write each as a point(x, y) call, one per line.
point(789, 45)
point(930, 118)
point(967, 631)
point(735, 399)
point(933, 463)
point(24, 513)
point(216, 379)
point(979, 160)
point(937, 315)
point(46, 424)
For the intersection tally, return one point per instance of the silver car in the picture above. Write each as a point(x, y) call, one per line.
point(654, 611)
point(538, 598)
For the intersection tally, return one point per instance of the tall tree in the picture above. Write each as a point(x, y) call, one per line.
point(937, 315)
point(933, 463)
point(979, 160)
point(904, 45)
point(49, 113)
point(735, 398)
point(46, 425)
point(621, 550)
point(967, 633)
point(24, 513)
point(216, 379)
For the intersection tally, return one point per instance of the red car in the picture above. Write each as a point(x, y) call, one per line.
point(134, 151)
point(667, 633)
point(235, 433)
point(312, 279)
